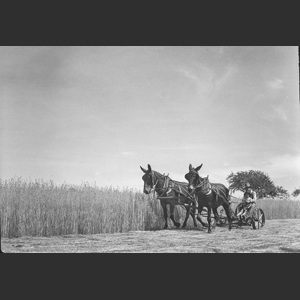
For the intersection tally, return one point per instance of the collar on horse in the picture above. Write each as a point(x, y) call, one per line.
point(199, 185)
point(211, 188)
point(165, 185)
point(168, 186)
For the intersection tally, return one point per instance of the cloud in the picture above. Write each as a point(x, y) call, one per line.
point(225, 78)
point(280, 112)
point(285, 164)
point(275, 112)
point(275, 84)
point(189, 75)
point(283, 170)
point(201, 78)
point(219, 50)
point(276, 166)
point(209, 80)
point(222, 49)
point(127, 153)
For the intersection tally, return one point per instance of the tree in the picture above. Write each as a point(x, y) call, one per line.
point(280, 191)
point(296, 192)
point(260, 182)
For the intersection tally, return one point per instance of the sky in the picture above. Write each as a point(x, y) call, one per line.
point(96, 114)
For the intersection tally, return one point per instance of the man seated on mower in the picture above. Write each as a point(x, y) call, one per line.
point(249, 200)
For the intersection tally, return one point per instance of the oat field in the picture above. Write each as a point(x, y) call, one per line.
point(40, 216)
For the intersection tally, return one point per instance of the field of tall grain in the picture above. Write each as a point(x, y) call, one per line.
point(43, 208)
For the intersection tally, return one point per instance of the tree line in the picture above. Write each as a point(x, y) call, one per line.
point(260, 182)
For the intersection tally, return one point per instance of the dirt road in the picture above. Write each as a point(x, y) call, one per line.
point(275, 236)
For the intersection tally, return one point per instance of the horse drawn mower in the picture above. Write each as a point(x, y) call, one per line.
point(177, 193)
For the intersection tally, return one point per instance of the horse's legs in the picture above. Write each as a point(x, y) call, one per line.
point(209, 218)
point(216, 216)
point(172, 207)
point(200, 208)
point(188, 211)
point(164, 206)
point(193, 213)
point(227, 210)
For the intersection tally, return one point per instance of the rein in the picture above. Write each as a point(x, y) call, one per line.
point(165, 185)
point(210, 189)
point(166, 188)
point(200, 184)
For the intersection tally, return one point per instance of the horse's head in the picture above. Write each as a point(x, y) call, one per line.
point(193, 177)
point(148, 179)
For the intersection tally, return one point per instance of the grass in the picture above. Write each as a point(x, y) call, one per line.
point(42, 208)
point(290, 250)
point(275, 237)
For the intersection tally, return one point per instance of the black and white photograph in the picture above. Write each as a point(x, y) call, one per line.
point(150, 149)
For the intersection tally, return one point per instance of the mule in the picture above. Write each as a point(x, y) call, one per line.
point(170, 192)
point(209, 195)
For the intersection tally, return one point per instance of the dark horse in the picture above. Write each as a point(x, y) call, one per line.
point(210, 195)
point(170, 192)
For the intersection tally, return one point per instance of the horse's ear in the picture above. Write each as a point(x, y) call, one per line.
point(198, 168)
point(190, 167)
point(145, 171)
point(149, 168)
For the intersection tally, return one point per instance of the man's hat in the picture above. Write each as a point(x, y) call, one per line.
point(247, 184)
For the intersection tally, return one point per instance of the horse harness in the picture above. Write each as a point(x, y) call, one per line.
point(168, 186)
point(209, 189)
